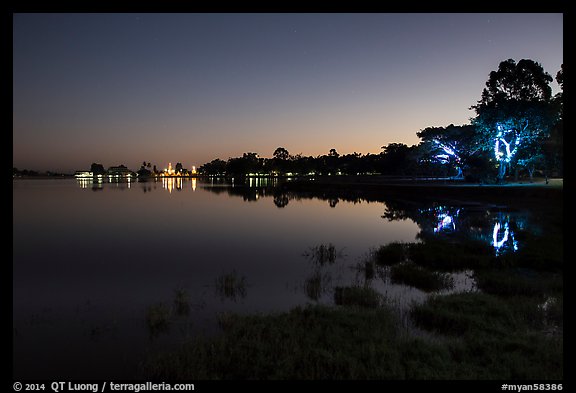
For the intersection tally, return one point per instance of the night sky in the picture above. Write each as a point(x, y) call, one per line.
point(126, 88)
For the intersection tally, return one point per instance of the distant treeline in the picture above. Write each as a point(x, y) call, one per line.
point(518, 130)
point(396, 159)
point(27, 172)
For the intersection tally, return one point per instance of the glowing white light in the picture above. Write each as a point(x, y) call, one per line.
point(500, 138)
point(499, 243)
point(508, 235)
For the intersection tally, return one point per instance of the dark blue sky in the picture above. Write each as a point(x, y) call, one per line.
point(124, 88)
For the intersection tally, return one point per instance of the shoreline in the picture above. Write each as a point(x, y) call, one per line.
point(536, 195)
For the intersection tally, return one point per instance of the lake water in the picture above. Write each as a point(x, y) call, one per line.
point(95, 263)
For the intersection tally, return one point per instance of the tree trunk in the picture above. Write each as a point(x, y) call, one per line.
point(531, 172)
point(501, 171)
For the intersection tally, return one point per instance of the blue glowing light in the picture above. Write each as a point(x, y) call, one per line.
point(447, 153)
point(500, 139)
point(445, 221)
point(499, 241)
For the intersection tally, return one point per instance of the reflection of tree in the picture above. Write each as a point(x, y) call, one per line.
point(490, 225)
point(248, 194)
point(281, 200)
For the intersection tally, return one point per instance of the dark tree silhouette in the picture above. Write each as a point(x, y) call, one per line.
point(178, 168)
point(97, 169)
point(281, 154)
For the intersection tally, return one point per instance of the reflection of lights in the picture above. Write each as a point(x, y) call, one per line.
point(495, 242)
point(84, 182)
point(500, 231)
point(168, 184)
point(508, 235)
point(445, 221)
point(444, 218)
point(193, 184)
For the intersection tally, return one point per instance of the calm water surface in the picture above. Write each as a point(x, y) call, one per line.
point(91, 262)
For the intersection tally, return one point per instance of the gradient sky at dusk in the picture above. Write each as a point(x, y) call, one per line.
point(126, 88)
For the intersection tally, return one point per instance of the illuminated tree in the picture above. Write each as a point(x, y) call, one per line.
point(515, 113)
point(452, 145)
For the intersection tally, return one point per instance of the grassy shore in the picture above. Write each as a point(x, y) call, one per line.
point(509, 328)
point(483, 337)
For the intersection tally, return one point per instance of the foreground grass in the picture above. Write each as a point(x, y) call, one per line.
point(305, 343)
point(420, 277)
point(498, 337)
point(486, 338)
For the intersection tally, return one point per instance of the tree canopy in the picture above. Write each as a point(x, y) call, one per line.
point(515, 112)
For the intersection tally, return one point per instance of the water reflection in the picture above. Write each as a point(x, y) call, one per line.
point(198, 247)
point(325, 271)
point(172, 183)
point(96, 183)
point(503, 239)
point(494, 225)
point(491, 225)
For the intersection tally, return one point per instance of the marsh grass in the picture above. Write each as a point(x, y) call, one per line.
point(231, 286)
point(306, 343)
point(317, 285)
point(158, 319)
point(447, 255)
point(391, 253)
point(545, 253)
point(409, 273)
point(323, 254)
point(361, 296)
point(181, 302)
point(351, 342)
point(499, 337)
point(518, 282)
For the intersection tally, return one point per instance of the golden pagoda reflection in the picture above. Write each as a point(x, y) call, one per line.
point(168, 183)
point(193, 184)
